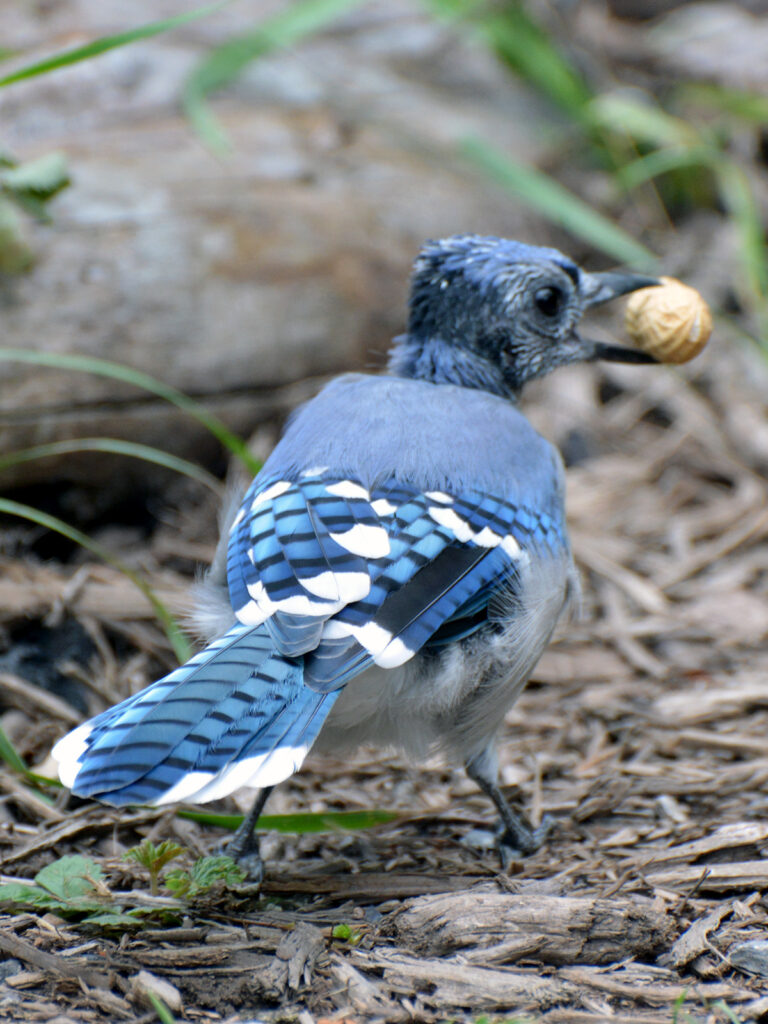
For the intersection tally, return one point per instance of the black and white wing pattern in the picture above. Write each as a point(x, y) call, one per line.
point(348, 576)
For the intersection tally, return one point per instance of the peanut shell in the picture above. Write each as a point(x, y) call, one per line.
point(671, 322)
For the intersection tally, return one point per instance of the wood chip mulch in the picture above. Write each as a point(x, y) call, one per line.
point(643, 733)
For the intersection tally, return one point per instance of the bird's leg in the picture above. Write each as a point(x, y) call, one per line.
point(516, 835)
point(244, 844)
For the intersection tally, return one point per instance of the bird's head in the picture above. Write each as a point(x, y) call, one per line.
point(492, 313)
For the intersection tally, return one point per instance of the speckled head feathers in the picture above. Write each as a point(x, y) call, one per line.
point(494, 313)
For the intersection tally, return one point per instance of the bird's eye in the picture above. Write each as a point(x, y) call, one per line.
point(549, 301)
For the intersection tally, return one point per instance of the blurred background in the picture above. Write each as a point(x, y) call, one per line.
point(232, 203)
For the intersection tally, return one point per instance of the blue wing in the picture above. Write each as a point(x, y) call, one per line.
point(348, 577)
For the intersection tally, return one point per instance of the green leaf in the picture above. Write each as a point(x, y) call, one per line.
point(15, 255)
point(346, 934)
point(22, 895)
point(70, 878)
point(106, 43)
point(41, 178)
point(226, 62)
point(138, 379)
point(70, 887)
point(114, 919)
point(298, 824)
point(154, 857)
point(178, 641)
point(557, 204)
point(206, 872)
point(113, 446)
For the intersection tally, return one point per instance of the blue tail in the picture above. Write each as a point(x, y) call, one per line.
point(237, 714)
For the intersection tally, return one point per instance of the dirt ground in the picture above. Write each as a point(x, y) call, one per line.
point(642, 733)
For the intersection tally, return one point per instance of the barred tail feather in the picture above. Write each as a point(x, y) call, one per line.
point(237, 714)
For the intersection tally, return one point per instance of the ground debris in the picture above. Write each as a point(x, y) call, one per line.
point(695, 940)
point(293, 962)
point(450, 983)
point(503, 927)
point(145, 984)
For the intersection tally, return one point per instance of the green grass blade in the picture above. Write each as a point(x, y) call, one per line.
point(224, 63)
point(528, 50)
point(298, 824)
point(662, 161)
point(525, 47)
point(742, 204)
point(176, 638)
point(739, 199)
point(138, 379)
point(557, 204)
point(113, 446)
point(10, 755)
point(748, 106)
point(105, 43)
point(643, 122)
point(729, 1013)
point(164, 1015)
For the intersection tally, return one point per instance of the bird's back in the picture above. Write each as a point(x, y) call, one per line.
point(434, 436)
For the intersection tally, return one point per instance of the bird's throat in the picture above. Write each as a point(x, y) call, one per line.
point(441, 362)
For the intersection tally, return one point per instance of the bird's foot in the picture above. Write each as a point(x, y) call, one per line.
point(253, 866)
point(523, 840)
point(243, 848)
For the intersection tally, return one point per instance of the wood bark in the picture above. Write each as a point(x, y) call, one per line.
point(552, 929)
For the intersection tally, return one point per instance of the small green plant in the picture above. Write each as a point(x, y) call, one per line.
point(26, 187)
point(205, 873)
point(154, 858)
point(72, 887)
point(346, 933)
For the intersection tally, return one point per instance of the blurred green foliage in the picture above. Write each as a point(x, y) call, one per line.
point(679, 144)
point(25, 187)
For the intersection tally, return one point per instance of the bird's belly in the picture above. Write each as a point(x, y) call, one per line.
point(453, 700)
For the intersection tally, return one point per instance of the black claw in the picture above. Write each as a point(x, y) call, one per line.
point(524, 841)
point(253, 866)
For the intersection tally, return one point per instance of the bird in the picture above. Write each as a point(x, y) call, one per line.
point(395, 570)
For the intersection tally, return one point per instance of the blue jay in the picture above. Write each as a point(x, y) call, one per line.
point(395, 570)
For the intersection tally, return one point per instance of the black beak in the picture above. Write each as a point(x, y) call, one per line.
point(617, 354)
point(602, 287)
point(599, 288)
